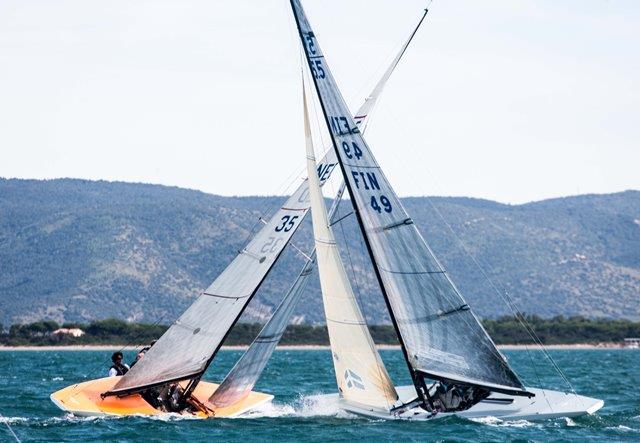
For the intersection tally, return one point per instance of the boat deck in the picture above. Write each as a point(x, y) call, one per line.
point(83, 399)
point(545, 405)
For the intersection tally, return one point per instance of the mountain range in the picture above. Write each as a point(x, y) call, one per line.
point(78, 250)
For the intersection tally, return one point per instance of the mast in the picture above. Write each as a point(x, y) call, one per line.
point(417, 380)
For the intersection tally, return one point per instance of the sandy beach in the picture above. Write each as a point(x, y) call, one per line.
point(297, 347)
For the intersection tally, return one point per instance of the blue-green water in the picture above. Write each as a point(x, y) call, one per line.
point(27, 378)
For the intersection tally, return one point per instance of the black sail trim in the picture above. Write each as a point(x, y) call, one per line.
point(436, 316)
point(237, 297)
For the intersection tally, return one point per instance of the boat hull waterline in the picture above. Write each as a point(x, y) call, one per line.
point(546, 404)
point(83, 399)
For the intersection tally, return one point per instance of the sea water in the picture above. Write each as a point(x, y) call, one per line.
point(28, 377)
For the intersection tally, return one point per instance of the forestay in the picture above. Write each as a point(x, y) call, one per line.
point(362, 377)
point(440, 335)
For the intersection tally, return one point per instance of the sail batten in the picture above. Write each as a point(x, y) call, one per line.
point(412, 281)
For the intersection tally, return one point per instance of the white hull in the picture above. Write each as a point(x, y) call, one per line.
point(546, 404)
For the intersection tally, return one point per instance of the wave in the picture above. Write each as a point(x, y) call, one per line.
point(13, 420)
point(497, 422)
point(306, 406)
point(168, 416)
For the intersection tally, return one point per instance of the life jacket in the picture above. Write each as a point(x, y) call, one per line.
point(120, 369)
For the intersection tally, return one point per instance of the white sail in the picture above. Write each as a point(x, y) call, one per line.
point(360, 373)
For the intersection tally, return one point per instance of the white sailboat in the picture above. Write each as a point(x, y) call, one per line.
point(454, 365)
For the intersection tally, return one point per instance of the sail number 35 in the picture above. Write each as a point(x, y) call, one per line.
point(288, 222)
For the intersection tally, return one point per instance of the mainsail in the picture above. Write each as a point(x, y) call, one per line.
point(360, 373)
point(440, 336)
point(188, 346)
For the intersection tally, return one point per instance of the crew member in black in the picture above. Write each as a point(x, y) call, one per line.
point(118, 368)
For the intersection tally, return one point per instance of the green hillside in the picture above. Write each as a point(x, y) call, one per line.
point(76, 250)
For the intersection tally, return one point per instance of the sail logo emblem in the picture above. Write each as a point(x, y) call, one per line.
point(353, 380)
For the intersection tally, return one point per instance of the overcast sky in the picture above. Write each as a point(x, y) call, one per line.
point(510, 100)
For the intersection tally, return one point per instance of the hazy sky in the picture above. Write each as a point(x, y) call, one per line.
point(511, 100)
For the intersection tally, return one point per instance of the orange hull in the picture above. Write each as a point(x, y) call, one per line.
point(84, 399)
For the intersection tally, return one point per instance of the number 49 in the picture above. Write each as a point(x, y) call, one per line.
point(384, 201)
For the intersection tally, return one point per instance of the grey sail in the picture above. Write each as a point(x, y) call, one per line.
point(246, 372)
point(440, 336)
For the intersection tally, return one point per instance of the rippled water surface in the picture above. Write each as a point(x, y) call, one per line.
point(28, 377)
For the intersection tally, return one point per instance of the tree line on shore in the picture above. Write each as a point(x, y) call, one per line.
point(504, 330)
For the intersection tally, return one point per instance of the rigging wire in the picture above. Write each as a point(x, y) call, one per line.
point(505, 297)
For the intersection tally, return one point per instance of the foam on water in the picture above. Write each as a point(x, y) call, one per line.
point(319, 406)
point(13, 420)
point(305, 406)
point(495, 421)
point(624, 428)
point(270, 410)
point(169, 416)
